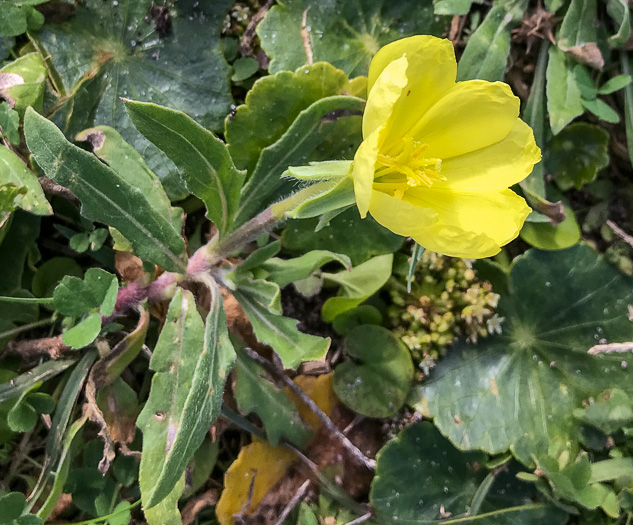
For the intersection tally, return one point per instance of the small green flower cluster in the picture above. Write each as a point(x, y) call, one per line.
point(236, 21)
point(446, 302)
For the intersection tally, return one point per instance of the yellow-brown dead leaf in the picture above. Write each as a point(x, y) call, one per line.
point(260, 466)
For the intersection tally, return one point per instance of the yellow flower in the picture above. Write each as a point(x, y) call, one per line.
point(438, 156)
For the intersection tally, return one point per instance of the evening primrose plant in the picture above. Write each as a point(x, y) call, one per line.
point(434, 163)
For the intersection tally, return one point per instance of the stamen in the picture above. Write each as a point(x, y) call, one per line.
point(417, 170)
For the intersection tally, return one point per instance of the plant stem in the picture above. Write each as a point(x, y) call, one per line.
point(27, 300)
point(264, 221)
point(26, 327)
point(349, 446)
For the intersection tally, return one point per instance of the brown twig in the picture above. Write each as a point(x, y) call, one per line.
point(349, 446)
point(293, 502)
point(246, 44)
point(361, 519)
point(610, 348)
point(195, 505)
point(620, 232)
point(305, 36)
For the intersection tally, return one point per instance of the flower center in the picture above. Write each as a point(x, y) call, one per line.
point(417, 169)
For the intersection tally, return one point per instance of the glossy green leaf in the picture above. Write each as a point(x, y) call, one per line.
point(345, 34)
point(375, 383)
point(563, 95)
point(348, 234)
point(356, 285)
point(22, 417)
point(256, 394)
point(291, 345)
point(273, 104)
point(106, 197)
point(192, 361)
point(419, 474)
point(22, 83)
point(265, 185)
point(108, 50)
point(521, 387)
point(11, 506)
point(14, 171)
point(487, 49)
point(577, 154)
point(202, 159)
point(452, 7)
point(83, 333)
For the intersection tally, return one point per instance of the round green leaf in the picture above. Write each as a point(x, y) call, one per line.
point(346, 34)
point(84, 333)
point(12, 20)
point(377, 382)
point(419, 474)
point(518, 390)
point(49, 274)
point(22, 417)
point(114, 49)
point(11, 506)
point(576, 155)
point(244, 68)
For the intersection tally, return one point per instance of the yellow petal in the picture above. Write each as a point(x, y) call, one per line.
point(471, 225)
point(363, 170)
point(431, 72)
point(473, 115)
point(417, 49)
point(387, 90)
point(401, 217)
point(495, 167)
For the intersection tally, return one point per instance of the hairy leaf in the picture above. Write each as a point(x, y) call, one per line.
point(202, 159)
point(106, 197)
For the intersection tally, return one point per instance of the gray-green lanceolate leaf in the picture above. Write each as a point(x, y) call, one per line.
point(191, 361)
point(202, 159)
point(105, 196)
